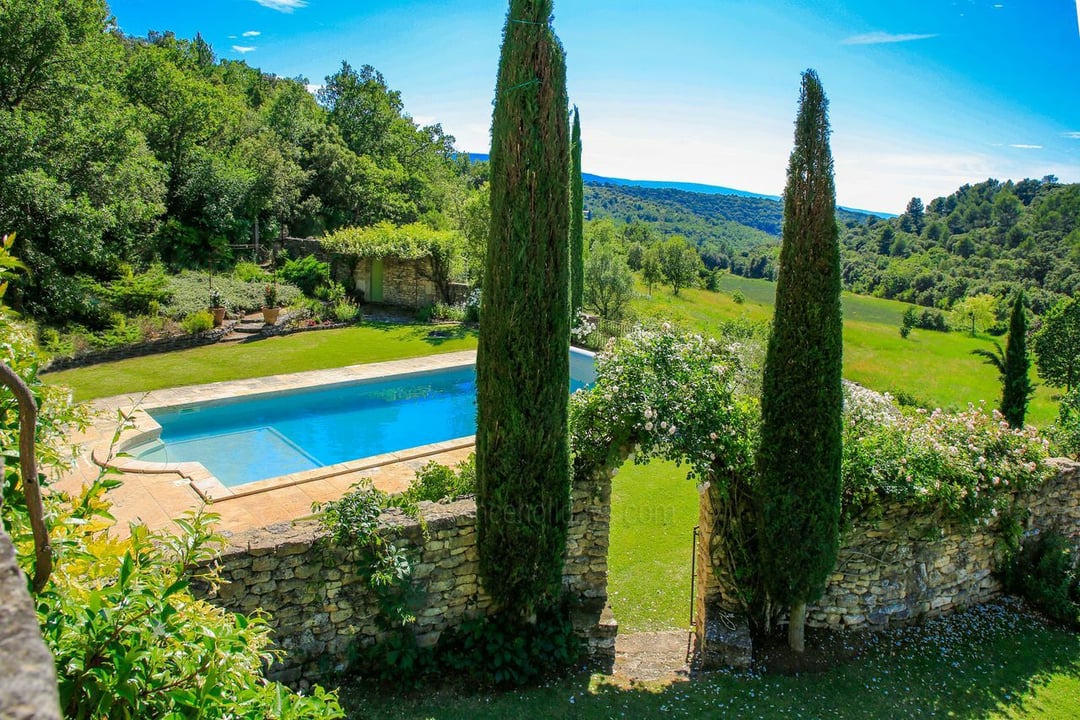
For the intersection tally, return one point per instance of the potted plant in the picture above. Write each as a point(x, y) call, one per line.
point(270, 309)
point(217, 307)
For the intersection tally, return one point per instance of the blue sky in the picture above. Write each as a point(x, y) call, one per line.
point(925, 94)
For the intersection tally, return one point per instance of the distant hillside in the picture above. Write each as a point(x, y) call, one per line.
point(991, 237)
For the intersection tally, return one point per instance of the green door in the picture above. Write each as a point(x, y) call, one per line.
point(376, 280)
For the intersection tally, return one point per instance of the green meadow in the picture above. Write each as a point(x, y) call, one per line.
point(932, 369)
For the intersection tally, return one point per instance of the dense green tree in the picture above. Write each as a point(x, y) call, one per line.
point(1013, 366)
point(577, 219)
point(679, 263)
point(651, 272)
point(609, 283)
point(976, 312)
point(522, 364)
point(1057, 345)
point(800, 453)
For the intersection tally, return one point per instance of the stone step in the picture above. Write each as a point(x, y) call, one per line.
point(249, 328)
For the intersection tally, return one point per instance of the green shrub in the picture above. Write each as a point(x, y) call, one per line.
point(331, 292)
point(738, 297)
point(306, 273)
point(1044, 572)
point(198, 322)
point(1066, 431)
point(443, 311)
point(250, 272)
point(137, 294)
point(345, 311)
point(435, 482)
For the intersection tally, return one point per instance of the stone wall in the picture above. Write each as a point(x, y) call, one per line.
point(903, 567)
point(318, 605)
point(152, 347)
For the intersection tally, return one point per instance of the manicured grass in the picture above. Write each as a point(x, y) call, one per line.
point(932, 368)
point(654, 509)
point(291, 353)
point(990, 662)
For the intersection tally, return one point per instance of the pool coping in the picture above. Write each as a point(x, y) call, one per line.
point(144, 428)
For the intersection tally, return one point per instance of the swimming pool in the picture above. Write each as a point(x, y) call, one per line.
point(245, 440)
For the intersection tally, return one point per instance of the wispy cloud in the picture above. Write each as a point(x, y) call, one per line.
point(1075, 135)
point(242, 49)
point(285, 6)
point(878, 38)
point(252, 33)
point(1022, 146)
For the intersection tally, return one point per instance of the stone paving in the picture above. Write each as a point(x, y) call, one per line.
point(157, 493)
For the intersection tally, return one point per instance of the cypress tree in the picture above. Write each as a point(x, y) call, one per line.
point(522, 364)
point(1017, 388)
point(800, 453)
point(577, 213)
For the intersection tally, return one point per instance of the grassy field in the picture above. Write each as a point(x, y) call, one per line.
point(290, 353)
point(989, 663)
point(931, 368)
point(654, 509)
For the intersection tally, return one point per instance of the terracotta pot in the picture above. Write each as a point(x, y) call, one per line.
point(219, 315)
point(270, 315)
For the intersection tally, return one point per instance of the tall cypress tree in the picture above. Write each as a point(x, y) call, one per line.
point(577, 213)
point(800, 453)
point(522, 364)
point(1017, 388)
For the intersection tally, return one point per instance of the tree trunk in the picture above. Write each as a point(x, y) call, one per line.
point(796, 635)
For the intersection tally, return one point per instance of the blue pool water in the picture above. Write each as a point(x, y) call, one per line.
point(249, 439)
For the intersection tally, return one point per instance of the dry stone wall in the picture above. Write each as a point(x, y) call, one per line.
point(900, 568)
point(319, 605)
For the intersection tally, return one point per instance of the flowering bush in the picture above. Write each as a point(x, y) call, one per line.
point(664, 394)
point(967, 464)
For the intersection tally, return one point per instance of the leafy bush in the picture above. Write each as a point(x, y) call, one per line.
point(738, 297)
point(250, 272)
point(486, 651)
point(1065, 433)
point(198, 322)
point(1045, 572)
point(345, 311)
point(472, 306)
point(454, 313)
point(332, 292)
point(129, 638)
point(306, 273)
point(435, 482)
point(137, 294)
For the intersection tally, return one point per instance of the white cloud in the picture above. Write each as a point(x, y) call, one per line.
point(877, 38)
point(242, 49)
point(1072, 135)
point(314, 88)
point(252, 33)
point(285, 6)
point(1022, 146)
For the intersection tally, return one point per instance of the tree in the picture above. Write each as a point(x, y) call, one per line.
point(679, 263)
point(609, 283)
point(522, 363)
point(1057, 345)
point(1013, 365)
point(976, 312)
point(577, 219)
point(650, 268)
point(913, 219)
point(799, 458)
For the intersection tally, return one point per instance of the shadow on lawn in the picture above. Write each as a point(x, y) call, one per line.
point(980, 662)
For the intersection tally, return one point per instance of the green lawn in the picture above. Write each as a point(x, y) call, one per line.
point(654, 509)
point(290, 353)
point(988, 663)
point(932, 368)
